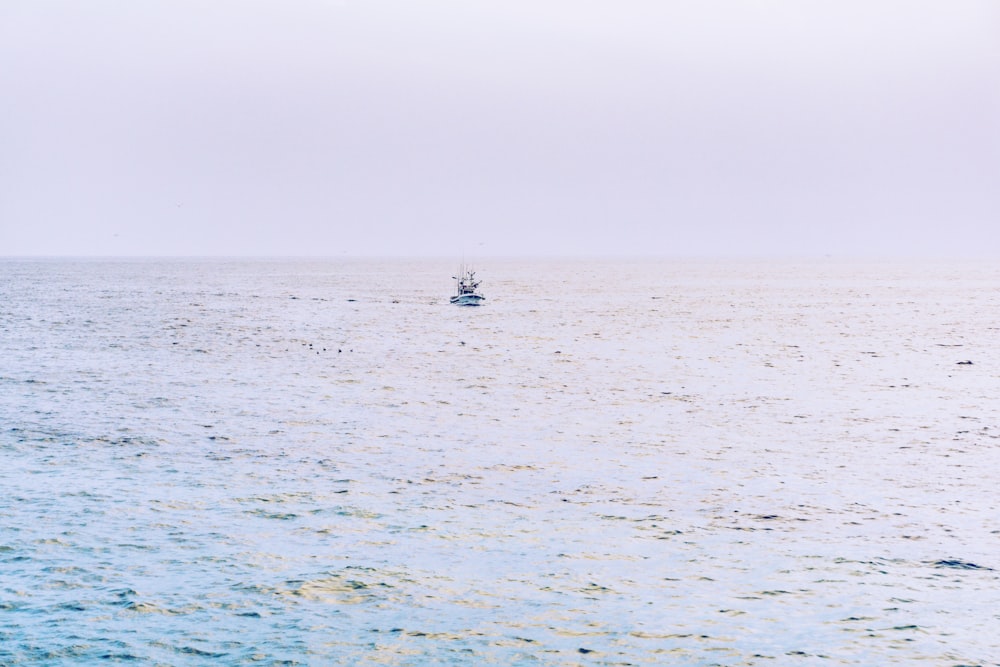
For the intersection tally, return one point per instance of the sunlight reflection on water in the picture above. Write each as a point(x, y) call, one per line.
point(610, 463)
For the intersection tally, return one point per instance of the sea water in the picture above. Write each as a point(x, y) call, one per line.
point(611, 463)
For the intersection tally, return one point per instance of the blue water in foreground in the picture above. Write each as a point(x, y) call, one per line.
point(611, 463)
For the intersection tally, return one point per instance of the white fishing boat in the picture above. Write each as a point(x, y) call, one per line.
point(465, 289)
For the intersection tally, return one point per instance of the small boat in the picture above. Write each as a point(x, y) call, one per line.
point(465, 289)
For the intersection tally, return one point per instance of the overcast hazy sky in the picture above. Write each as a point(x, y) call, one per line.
point(500, 127)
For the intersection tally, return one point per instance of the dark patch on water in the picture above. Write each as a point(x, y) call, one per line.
point(956, 564)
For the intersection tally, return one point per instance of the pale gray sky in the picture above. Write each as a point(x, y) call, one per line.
point(500, 127)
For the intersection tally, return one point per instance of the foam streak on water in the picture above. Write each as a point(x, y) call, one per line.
point(278, 462)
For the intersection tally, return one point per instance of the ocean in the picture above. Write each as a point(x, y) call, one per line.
point(298, 462)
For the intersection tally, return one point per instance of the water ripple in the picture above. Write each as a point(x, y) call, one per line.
point(297, 463)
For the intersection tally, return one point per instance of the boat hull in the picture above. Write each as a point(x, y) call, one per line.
point(468, 300)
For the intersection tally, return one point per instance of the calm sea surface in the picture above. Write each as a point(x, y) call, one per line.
point(612, 463)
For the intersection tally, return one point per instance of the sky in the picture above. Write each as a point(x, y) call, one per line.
point(477, 128)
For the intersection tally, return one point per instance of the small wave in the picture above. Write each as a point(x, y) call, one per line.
point(190, 650)
point(337, 589)
point(280, 516)
point(957, 564)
